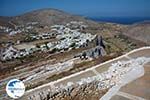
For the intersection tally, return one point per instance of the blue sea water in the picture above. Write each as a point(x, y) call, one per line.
point(120, 20)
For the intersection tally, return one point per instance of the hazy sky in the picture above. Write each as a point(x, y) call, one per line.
point(91, 8)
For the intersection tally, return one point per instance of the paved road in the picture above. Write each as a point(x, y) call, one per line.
point(123, 93)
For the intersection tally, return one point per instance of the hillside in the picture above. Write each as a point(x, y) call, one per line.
point(20, 29)
point(139, 31)
point(47, 17)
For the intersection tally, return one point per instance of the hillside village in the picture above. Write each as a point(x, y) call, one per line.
point(69, 36)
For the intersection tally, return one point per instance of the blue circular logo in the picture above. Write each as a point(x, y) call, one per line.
point(15, 88)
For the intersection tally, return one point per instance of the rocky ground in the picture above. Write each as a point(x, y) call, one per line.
point(93, 87)
point(88, 91)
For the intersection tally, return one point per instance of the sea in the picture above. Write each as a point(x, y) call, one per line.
point(121, 20)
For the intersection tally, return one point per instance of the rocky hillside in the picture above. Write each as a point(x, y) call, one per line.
point(140, 31)
point(24, 28)
point(44, 16)
point(48, 17)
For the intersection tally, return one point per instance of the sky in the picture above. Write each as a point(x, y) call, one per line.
point(89, 8)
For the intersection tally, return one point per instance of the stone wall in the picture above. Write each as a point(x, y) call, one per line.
point(88, 91)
